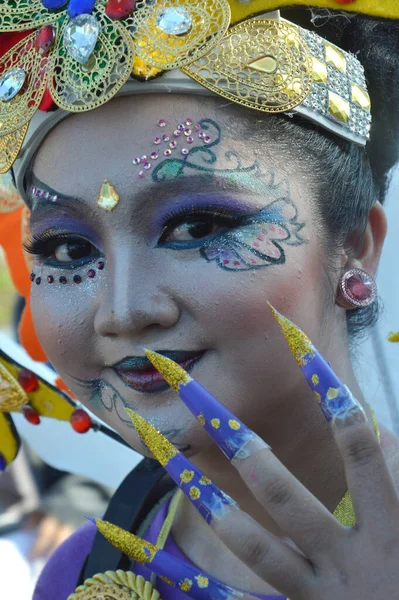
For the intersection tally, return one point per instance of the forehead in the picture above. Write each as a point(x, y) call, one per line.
point(85, 149)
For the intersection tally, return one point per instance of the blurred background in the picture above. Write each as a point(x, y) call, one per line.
point(41, 502)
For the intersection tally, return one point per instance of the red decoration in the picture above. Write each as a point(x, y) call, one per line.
point(120, 9)
point(80, 421)
point(28, 380)
point(45, 39)
point(31, 415)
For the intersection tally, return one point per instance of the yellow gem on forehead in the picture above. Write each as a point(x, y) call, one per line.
point(202, 581)
point(129, 544)
point(201, 419)
point(338, 107)
point(332, 393)
point(186, 585)
point(299, 343)
point(186, 476)
point(194, 493)
point(173, 373)
point(335, 56)
point(315, 379)
point(108, 197)
point(265, 64)
point(360, 96)
point(215, 423)
point(233, 424)
point(205, 480)
point(161, 448)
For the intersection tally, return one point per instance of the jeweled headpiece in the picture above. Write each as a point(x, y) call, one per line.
point(75, 55)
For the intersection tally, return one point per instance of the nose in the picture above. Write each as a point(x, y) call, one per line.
point(134, 297)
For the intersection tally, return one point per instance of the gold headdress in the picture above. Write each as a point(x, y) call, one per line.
point(78, 54)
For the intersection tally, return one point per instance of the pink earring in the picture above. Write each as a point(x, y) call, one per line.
point(356, 289)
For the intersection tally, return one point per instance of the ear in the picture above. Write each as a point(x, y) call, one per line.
point(363, 251)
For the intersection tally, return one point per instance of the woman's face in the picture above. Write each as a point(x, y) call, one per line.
point(184, 263)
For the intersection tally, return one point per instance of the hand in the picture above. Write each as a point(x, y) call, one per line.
point(50, 533)
point(345, 563)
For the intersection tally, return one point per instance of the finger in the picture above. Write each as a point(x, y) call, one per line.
point(277, 490)
point(241, 534)
point(44, 538)
point(174, 571)
point(373, 492)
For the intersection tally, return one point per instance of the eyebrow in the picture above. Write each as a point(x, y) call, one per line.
point(154, 193)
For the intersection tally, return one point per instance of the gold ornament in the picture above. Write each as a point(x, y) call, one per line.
point(262, 64)
point(207, 22)
point(108, 197)
point(10, 145)
point(17, 112)
point(26, 14)
point(115, 585)
point(12, 396)
point(77, 87)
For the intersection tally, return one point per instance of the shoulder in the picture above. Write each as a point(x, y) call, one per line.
point(61, 572)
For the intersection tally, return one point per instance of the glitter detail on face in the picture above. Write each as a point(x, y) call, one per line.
point(162, 123)
point(38, 280)
point(157, 140)
point(50, 279)
point(37, 192)
point(167, 152)
point(63, 280)
point(77, 278)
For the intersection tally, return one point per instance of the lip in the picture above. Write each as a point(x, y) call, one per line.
point(137, 372)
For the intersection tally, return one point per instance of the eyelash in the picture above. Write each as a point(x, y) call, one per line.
point(45, 244)
point(212, 214)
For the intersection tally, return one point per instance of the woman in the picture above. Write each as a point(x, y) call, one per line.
point(169, 222)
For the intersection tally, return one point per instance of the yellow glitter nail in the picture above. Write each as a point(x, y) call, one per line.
point(299, 343)
point(234, 424)
point(205, 480)
point(167, 580)
point(173, 373)
point(129, 544)
point(186, 585)
point(317, 396)
point(186, 476)
point(161, 448)
point(194, 493)
point(315, 379)
point(202, 581)
point(393, 337)
point(332, 393)
point(215, 423)
point(201, 419)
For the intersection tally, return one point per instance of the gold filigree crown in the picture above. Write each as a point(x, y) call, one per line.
point(78, 54)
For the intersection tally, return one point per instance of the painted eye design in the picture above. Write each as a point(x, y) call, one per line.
point(71, 251)
point(257, 244)
point(195, 230)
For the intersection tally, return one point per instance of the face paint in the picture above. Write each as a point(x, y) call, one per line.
point(76, 278)
point(38, 192)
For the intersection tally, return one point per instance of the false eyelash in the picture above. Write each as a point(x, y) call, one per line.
point(44, 243)
point(214, 213)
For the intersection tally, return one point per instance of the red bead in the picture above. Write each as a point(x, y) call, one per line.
point(80, 421)
point(119, 9)
point(31, 415)
point(45, 39)
point(28, 380)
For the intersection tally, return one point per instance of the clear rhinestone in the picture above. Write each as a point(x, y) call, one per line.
point(81, 36)
point(11, 83)
point(174, 21)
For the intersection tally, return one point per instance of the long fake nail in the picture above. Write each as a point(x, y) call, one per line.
point(207, 498)
point(336, 400)
point(231, 435)
point(174, 571)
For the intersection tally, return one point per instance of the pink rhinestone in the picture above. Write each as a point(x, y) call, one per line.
point(185, 151)
point(157, 140)
point(207, 139)
point(140, 174)
point(154, 155)
point(165, 137)
point(189, 140)
point(167, 152)
point(187, 132)
point(136, 161)
point(181, 126)
point(173, 144)
point(359, 286)
point(144, 157)
point(197, 127)
point(147, 165)
point(177, 132)
point(188, 122)
point(201, 135)
point(161, 122)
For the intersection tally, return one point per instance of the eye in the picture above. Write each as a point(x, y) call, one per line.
point(193, 231)
point(194, 228)
point(71, 251)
